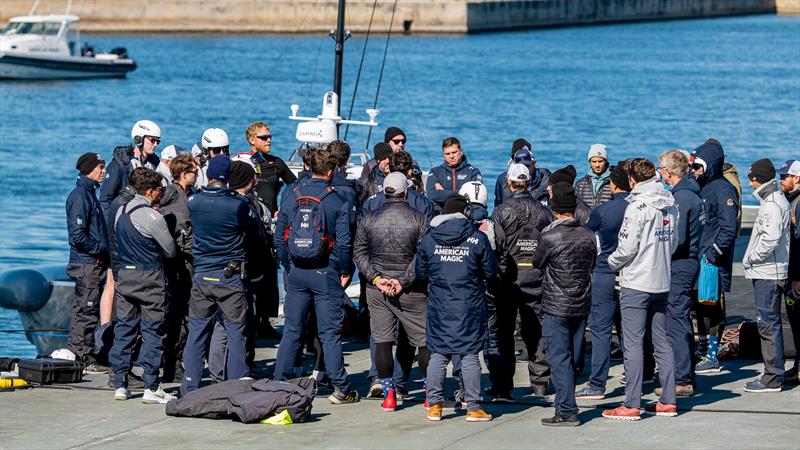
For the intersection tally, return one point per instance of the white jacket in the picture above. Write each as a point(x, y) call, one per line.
point(767, 254)
point(647, 239)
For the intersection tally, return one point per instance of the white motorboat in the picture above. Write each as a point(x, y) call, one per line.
point(41, 47)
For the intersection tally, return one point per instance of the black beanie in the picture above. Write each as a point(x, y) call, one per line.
point(392, 132)
point(381, 151)
point(564, 199)
point(762, 171)
point(520, 144)
point(565, 174)
point(455, 204)
point(241, 174)
point(620, 177)
point(87, 162)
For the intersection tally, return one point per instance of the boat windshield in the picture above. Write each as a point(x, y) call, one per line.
point(41, 28)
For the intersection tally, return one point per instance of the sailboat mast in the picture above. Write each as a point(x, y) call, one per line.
point(337, 69)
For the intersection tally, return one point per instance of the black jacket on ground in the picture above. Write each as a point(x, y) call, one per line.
point(566, 254)
point(386, 242)
point(509, 218)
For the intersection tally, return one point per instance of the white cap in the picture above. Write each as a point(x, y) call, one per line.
point(197, 149)
point(475, 191)
point(244, 157)
point(215, 138)
point(63, 353)
point(790, 167)
point(597, 151)
point(144, 128)
point(170, 152)
point(519, 172)
point(397, 181)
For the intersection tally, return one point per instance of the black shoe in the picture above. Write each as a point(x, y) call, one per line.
point(267, 332)
point(540, 390)
point(340, 398)
point(499, 396)
point(558, 421)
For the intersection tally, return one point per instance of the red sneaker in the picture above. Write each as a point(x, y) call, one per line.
point(426, 405)
point(389, 401)
point(622, 412)
point(661, 409)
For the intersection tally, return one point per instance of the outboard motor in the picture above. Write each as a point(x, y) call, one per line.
point(121, 52)
point(87, 50)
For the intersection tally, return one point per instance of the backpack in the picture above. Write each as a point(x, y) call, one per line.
point(307, 235)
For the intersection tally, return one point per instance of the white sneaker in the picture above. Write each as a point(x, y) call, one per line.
point(121, 394)
point(158, 396)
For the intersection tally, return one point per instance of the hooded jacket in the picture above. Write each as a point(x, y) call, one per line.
point(767, 254)
point(121, 165)
point(595, 189)
point(647, 239)
point(451, 178)
point(605, 222)
point(721, 205)
point(690, 218)
point(86, 226)
point(538, 187)
point(456, 259)
point(566, 255)
point(418, 202)
point(386, 243)
point(794, 239)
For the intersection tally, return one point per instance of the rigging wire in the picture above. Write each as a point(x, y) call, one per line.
point(383, 65)
point(360, 66)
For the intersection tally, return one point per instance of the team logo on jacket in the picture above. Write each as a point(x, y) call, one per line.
point(729, 202)
point(665, 222)
point(451, 254)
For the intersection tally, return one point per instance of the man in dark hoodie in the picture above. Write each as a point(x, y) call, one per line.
point(674, 170)
point(145, 137)
point(373, 182)
point(447, 179)
point(395, 138)
point(518, 223)
point(605, 222)
point(567, 175)
point(566, 255)
point(522, 153)
point(456, 259)
point(717, 241)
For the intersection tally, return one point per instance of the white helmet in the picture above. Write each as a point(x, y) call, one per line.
point(214, 138)
point(244, 157)
point(475, 191)
point(144, 128)
point(63, 353)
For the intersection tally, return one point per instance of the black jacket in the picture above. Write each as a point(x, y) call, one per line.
point(122, 199)
point(175, 210)
point(386, 242)
point(86, 226)
point(516, 242)
point(566, 254)
point(584, 190)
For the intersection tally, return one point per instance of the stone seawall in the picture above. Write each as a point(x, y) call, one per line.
point(422, 16)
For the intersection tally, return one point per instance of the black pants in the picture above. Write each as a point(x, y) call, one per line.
point(179, 273)
point(89, 279)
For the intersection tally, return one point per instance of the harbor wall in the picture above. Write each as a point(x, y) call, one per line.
point(421, 16)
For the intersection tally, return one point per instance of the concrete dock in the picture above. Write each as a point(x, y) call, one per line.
point(721, 416)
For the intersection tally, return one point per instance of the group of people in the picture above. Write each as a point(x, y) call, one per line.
point(187, 248)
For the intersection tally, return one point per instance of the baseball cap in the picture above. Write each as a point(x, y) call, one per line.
point(524, 156)
point(790, 167)
point(396, 181)
point(171, 151)
point(219, 168)
point(519, 172)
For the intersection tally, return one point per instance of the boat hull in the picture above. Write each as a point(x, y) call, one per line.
point(19, 67)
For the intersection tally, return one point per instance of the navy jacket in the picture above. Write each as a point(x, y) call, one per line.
point(415, 200)
point(538, 187)
point(606, 221)
point(117, 173)
point(794, 237)
point(690, 218)
point(350, 192)
point(86, 226)
point(122, 199)
point(721, 205)
point(220, 219)
point(451, 178)
point(456, 259)
point(337, 218)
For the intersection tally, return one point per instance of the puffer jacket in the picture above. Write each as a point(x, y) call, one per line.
point(584, 189)
point(456, 259)
point(767, 254)
point(647, 239)
point(386, 242)
point(538, 187)
point(514, 240)
point(582, 212)
point(566, 254)
point(451, 179)
point(175, 210)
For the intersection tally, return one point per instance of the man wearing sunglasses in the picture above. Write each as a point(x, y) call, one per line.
point(396, 138)
point(145, 137)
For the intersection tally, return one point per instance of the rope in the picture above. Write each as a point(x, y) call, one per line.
point(360, 66)
point(383, 65)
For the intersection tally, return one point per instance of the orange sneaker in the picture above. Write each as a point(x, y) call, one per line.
point(479, 415)
point(435, 412)
point(661, 409)
point(622, 412)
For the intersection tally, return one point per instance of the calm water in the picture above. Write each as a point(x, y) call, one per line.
point(639, 88)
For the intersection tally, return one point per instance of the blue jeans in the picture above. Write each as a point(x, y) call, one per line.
point(562, 339)
point(470, 373)
point(320, 289)
point(679, 324)
point(769, 296)
point(601, 319)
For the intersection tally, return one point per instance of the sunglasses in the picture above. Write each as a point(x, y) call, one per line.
point(154, 140)
point(399, 141)
point(264, 137)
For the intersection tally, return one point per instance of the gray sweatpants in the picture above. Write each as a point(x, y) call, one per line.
point(470, 374)
point(640, 309)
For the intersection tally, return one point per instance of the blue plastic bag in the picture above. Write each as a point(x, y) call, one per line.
point(708, 283)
